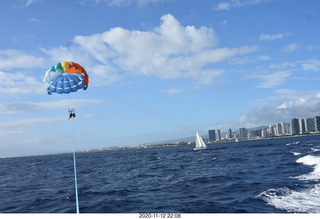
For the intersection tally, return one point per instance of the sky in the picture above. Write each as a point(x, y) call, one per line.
point(158, 69)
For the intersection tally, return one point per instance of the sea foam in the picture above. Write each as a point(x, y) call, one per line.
point(310, 160)
point(305, 200)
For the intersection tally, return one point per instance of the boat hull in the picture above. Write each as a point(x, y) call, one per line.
point(195, 149)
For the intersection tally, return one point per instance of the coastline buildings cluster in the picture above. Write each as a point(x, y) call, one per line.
point(294, 127)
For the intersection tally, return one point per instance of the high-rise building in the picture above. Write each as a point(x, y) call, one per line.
point(212, 135)
point(317, 123)
point(285, 128)
point(294, 124)
point(218, 135)
point(271, 131)
point(302, 126)
point(243, 133)
point(309, 124)
point(288, 128)
point(279, 129)
point(229, 134)
point(255, 133)
point(264, 133)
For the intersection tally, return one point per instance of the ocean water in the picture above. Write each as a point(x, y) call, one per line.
point(261, 176)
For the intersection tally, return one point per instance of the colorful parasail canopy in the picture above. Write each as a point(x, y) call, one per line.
point(66, 77)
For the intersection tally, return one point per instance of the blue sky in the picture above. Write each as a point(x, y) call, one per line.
point(159, 69)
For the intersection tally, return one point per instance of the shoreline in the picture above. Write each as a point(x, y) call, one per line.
point(117, 148)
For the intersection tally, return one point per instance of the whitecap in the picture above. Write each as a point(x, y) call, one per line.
point(32, 165)
point(304, 201)
point(310, 160)
point(296, 153)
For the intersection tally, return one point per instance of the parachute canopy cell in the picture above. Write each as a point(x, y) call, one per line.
point(66, 77)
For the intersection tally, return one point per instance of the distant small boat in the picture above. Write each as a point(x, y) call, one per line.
point(199, 143)
point(236, 140)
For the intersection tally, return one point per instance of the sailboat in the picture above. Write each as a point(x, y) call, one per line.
point(199, 143)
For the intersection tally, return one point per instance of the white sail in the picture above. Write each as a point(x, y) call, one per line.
point(199, 142)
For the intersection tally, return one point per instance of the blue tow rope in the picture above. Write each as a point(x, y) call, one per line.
point(75, 169)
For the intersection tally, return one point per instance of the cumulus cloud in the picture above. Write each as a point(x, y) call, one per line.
point(294, 107)
point(168, 51)
point(283, 112)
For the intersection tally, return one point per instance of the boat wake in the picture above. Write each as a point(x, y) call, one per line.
point(305, 200)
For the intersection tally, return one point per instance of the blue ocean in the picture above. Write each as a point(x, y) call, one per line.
point(258, 176)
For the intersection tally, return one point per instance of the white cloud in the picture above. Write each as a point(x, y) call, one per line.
point(293, 105)
point(273, 79)
point(223, 6)
point(19, 83)
point(239, 3)
point(313, 48)
point(263, 58)
point(12, 59)
point(19, 124)
point(288, 92)
point(121, 3)
point(146, 2)
point(291, 48)
point(29, 2)
point(24, 107)
point(301, 107)
point(104, 75)
point(168, 51)
point(311, 65)
point(118, 3)
point(276, 74)
point(36, 20)
point(273, 36)
point(173, 91)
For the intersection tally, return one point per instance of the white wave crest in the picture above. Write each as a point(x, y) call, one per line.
point(304, 201)
point(310, 160)
point(296, 153)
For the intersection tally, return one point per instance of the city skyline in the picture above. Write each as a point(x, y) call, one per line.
point(294, 127)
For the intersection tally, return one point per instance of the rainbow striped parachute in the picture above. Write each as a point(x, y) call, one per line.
point(65, 77)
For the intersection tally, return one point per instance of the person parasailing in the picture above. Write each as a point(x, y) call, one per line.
point(72, 113)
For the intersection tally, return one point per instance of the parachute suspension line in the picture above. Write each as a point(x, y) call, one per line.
point(75, 169)
point(68, 102)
